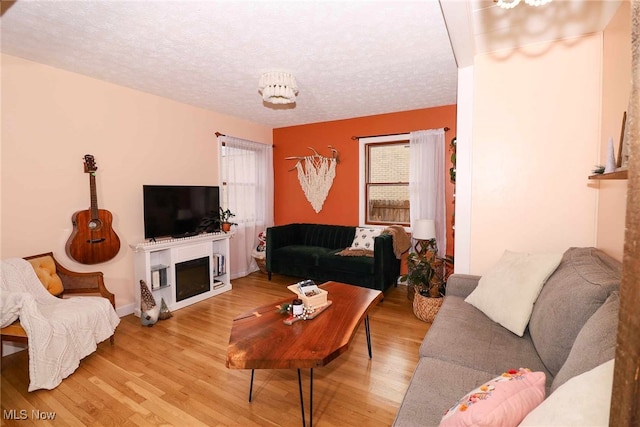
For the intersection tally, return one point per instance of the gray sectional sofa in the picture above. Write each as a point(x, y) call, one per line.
point(572, 330)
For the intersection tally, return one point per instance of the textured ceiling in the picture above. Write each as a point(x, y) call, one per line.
point(350, 58)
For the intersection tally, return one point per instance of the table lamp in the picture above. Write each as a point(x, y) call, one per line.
point(424, 232)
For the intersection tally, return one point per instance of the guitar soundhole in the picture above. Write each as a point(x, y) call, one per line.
point(95, 224)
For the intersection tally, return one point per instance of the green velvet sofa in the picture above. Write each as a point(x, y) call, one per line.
point(309, 251)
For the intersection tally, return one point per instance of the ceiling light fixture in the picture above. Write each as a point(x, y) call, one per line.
point(278, 87)
point(510, 4)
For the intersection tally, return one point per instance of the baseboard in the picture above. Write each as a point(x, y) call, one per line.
point(126, 310)
point(239, 274)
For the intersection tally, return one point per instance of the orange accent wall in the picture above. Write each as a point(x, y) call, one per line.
point(341, 205)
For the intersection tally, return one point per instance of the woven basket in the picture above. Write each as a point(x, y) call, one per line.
point(425, 308)
point(262, 264)
point(411, 290)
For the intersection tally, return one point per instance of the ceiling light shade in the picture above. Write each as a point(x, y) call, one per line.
point(510, 4)
point(506, 4)
point(278, 87)
point(537, 2)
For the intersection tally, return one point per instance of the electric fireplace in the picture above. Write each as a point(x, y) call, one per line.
point(192, 278)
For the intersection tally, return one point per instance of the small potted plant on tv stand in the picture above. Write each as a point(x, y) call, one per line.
point(225, 217)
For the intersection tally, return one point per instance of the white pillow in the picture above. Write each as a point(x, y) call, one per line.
point(582, 401)
point(364, 238)
point(507, 292)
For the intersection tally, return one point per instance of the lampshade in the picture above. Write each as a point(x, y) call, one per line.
point(278, 87)
point(424, 229)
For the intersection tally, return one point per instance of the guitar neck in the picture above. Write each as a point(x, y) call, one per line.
point(94, 196)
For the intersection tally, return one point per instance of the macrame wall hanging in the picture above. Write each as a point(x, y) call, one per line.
point(316, 173)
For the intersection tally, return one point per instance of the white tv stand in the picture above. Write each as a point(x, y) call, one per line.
point(155, 263)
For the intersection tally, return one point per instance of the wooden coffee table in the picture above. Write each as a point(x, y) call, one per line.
point(260, 340)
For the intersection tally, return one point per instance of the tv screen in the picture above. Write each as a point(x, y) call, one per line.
point(180, 210)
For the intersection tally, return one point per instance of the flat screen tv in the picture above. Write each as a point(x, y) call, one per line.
point(180, 210)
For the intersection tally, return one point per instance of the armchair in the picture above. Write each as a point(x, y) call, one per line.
point(60, 331)
point(59, 281)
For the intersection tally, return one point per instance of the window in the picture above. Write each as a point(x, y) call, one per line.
point(384, 173)
point(240, 183)
point(246, 173)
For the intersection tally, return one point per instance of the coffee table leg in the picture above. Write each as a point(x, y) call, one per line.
point(251, 385)
point(310, 398)
point(301, 397)
point(301, 400)
point(368, 332)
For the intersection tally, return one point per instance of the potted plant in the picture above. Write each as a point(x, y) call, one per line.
point(422, 274)
point(426, 277)
point(224, 218)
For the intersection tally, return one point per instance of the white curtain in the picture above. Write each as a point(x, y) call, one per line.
point(427, 181)
point(246, 170)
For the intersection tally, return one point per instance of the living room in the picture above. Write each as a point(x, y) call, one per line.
point(535, 120)
point(515, 138)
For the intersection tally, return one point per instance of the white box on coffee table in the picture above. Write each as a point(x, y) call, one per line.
point(314, 301)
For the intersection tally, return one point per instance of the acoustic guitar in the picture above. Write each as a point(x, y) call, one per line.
point(93, 240)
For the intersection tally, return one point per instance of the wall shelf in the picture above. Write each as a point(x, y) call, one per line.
point(623, 174)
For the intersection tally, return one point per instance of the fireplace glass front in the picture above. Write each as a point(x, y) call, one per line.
point(192, 278)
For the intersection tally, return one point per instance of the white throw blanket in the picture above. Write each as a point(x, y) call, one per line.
point(61, 331)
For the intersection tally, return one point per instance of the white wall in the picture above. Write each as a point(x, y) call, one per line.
point(51, 118)
point(536, 130)
point(464, 178)
point(616, 90)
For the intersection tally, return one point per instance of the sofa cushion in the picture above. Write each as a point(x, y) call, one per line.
point(357, 264)
point(595, 344)
point(461, 285)
point(463, 335)
point(506, 293)
point(45, 269)
point(434, 387)
point(502, 401)
point(326, 236)
point(582, 401)
point(579, 286)
point(300, 254)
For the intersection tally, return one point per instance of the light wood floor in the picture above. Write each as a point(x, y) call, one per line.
point(174, 372)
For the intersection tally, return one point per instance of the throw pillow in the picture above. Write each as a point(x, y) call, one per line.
point(365, 238)
point(507, 292)
point(582, 401)
point(503, 401)
point(580, 285)
point(594, 345)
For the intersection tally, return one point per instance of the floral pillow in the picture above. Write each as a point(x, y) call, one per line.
point(503, 401)
point(365, 238)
